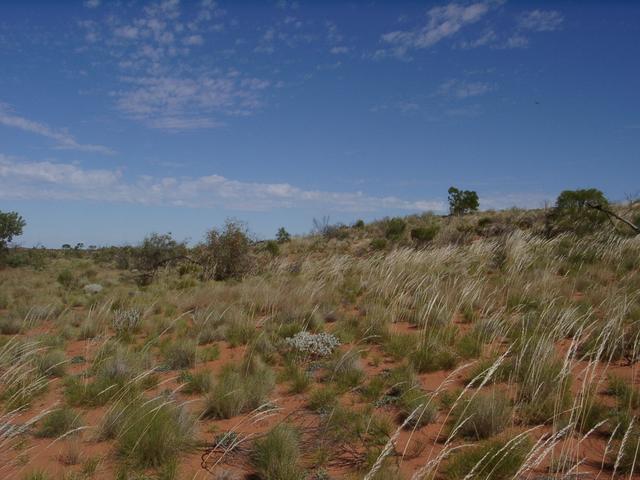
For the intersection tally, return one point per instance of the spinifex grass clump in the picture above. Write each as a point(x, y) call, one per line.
point(151, 433)
point(482, 416)
point(497, 459)
point(239, 389)
point(115, 369)
point(180, 354)
point(275, 456)
point(58, 423)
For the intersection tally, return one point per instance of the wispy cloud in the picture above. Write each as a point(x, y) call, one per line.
point(442, 22)
point(63, 140)
point(63, 181)
point(462, 89)
point(163, 84)
point(541, 20)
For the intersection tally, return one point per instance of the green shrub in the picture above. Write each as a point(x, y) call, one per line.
point(490, 460)
point(572, 213)
point(180, 354)
point(272, 247)
point(414, 398)
point(423, 235)
point(150, 433)
point(10, 325)
point(378, 244)
point(58, 422)
point(66, 279)
point(483, 416)
point(52, 363)
point(227, 253)
point(299, 378)
point(239, 390)
point(199, 382)
point(431, 357)
point(346, 371)
point(275, 456)
point(394, 228)
point(323, 399)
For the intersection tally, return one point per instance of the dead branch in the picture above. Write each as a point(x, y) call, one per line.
point(600, 208)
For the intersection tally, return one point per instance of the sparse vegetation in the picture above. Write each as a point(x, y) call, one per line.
point(477, 327)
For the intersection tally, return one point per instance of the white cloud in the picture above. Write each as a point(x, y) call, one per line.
point(338, 50)
point(442, 22)
point(175, 103)
point(92, 3)
point(462, 89)
point(162, 84)
point(486, 38)
point(59, 181)
point(63, 140)
point(541, 20)
point(516, 41)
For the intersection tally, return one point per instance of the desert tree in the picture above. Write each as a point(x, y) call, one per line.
point(283, 236)
point(226, 253)
point(11, 225)
point(579, 211)
point(462, 202)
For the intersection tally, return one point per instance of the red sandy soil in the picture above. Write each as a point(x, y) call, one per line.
point(414, 447)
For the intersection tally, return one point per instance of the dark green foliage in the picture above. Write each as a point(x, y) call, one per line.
point(422, 235)
point(378, 243)
point(572, 213)
point(157, 250)
point(58, 423)
point(359, 224)
point(462, 202)
point(226, 253)
point(66, 278)
point(394, 228)
point(283, 236)
point(272, 247)
point(11, 225)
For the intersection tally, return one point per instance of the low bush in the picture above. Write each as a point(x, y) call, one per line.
point(483, 416)
point(432, 356)
point(151, 433)
point(58, 422)
point(199, 382)
point(239, 390)
point(180, 354)
point(489, 460)
point(275, 456)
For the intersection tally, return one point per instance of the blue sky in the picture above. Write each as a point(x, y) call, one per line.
point(124, 117)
